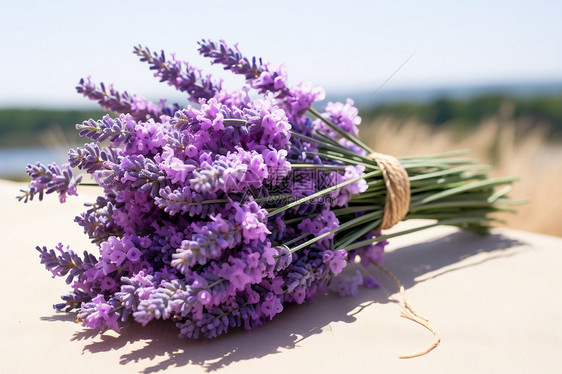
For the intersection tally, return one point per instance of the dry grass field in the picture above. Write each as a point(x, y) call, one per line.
point(513, 147)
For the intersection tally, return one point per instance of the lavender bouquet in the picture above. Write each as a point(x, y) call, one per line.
point(217, 214)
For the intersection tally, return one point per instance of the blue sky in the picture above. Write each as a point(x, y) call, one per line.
point(47, 46)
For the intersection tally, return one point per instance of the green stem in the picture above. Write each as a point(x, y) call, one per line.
point(452, 221)
point(340, 132)
point(317, 166)
point(344, 226)
point(468, 187)
point(323, 192)
point(350, 238)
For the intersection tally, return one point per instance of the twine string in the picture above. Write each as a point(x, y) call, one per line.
point(397, 204)
point(397, 201)
point(410, 313)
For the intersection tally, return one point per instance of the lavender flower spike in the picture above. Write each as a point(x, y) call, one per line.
point(190, 80)
point(261, 76)
point(49, 179)
point(117, 130)
point(231, 58)
point(66, 262)
point(123, 103)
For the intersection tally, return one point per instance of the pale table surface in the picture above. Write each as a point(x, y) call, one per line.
point(495, 301)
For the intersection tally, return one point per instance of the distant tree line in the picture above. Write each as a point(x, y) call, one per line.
point(24, 127)
point(545, 110)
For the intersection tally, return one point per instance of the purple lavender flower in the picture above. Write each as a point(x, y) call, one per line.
point(300, 98)
point(208, 242)
point(72, 301)
point(308, 273)
point(184, 200)
point(372, 253)
point(98, 221)
point(271, 305)
point(262, 77)
point(232, 173)
point(274, 122)
point(252, 219)
point(179, 74)
point(322, 223)
point(134, 289)
point(66, 262)
point(159, 303)
point(341, 196)
point(142, 173)
point(118, 130)
point(370, 282)
point(123, 103)
point(49, 179)
point(272, 79)
point(176, 169)
point(235, 99)
point(92, 158)
point(345, 116)
point(347, 285)
point(100, 314)
point(337, 263)
point(231, 58)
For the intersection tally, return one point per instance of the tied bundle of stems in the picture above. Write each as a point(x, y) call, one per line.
point(453, 191)
point(216, 215)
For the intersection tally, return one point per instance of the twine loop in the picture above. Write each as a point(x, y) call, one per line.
point(410, 313)
point(397, 202)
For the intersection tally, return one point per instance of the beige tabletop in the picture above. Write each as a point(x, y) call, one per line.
point(496, 302)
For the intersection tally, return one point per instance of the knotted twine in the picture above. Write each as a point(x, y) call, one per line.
point(397, 201)
point(397, 204)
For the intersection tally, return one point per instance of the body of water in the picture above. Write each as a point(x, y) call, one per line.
point(14, 160)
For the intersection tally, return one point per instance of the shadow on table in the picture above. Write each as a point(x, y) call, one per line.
point(163, 349)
